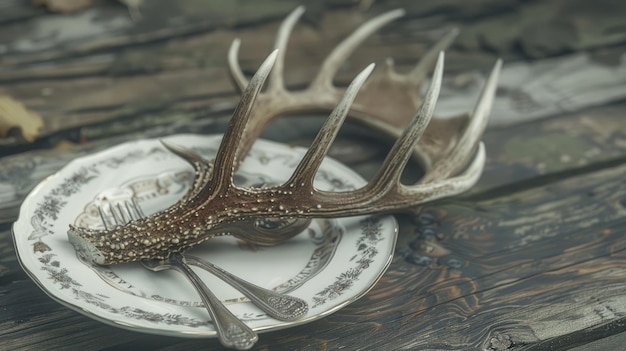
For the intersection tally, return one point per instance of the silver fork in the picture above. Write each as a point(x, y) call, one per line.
point(231, 331)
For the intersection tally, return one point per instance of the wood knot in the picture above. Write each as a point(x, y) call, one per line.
point(426, 247)
point(500, 342)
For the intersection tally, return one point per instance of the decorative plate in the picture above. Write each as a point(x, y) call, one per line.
point(330, 264)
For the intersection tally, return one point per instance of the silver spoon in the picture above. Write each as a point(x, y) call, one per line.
point(276, 305)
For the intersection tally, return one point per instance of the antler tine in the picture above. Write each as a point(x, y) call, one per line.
point(389, 174)
point(188, 155)
point(358, 201)
point(330, 65)
point(236, 74)
point(423, 67)
point(421, 193)
point(459, 155)
point(226, 159)
point(276, 81)
point(202, 167)
point(308, 166)
point(340, 53)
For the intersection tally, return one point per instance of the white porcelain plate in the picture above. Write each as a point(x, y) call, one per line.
point(330, 264)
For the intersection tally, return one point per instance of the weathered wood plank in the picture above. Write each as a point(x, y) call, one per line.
point(613, 342)
point(527, 90)
point(545, 150)
point(16, 10)
point(109, 25)
point(565, 25)
point(187, 74)
point(532, 90)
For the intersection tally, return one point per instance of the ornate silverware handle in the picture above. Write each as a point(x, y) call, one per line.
point(231, 331)
point(279, 306)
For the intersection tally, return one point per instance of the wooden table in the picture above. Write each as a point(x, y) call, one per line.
point(532, 258)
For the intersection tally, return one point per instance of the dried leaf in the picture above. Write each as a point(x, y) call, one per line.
point(15, 116)
point(64, 6)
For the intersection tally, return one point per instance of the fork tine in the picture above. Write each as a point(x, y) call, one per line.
point(135, 207)
point(129, 209)
point(102, 217)
point(120, 210)
point(119, 213)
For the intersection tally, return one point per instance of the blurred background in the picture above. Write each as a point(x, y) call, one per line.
point(87, 69)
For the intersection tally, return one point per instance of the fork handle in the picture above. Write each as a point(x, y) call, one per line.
point(231, 331)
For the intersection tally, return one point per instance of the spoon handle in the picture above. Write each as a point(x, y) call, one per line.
point(277, 305)
point(231, 331)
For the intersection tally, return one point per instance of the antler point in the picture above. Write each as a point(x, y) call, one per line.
point(499, 63)
point(233, 64)
point(400, 12)
point(272, 56)
point(165, 143)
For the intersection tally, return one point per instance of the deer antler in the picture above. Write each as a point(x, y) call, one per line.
point(215, 205)
point(386, 102)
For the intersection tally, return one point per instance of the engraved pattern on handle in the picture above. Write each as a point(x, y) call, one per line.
point(231, 331)
point(279, 306)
